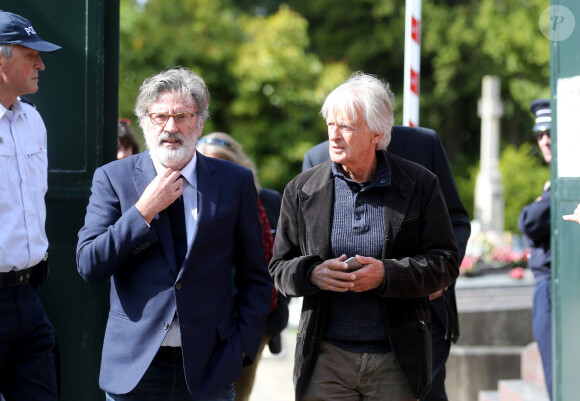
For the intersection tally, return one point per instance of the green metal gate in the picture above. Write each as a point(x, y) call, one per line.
point(565, 84)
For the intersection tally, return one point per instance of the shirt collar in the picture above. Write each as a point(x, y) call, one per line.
point(14, 112)
point(382, 177)
point(188, 172)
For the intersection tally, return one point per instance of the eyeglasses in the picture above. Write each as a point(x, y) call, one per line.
point(179, 118)
point(214, 141)
point(540, 134)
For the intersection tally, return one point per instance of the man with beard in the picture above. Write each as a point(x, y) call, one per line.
point(176, 330)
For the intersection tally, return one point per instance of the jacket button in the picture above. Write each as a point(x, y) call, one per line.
point(166, 326)
point(178, 286)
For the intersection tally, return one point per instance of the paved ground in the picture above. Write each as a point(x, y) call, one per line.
point(274, 375)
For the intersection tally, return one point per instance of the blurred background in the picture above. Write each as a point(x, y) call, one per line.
point(269, 65)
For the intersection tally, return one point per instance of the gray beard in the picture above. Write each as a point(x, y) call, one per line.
point(172, 158)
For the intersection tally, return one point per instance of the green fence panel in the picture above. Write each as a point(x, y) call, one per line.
point(564, 28)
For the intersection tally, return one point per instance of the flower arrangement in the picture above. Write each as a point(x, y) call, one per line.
point(489, 250)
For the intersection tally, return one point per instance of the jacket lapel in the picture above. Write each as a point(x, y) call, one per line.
point(318, 190)
point(395, 207)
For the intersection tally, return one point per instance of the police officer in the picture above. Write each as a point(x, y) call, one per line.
point(27, 338)
point(534, 223)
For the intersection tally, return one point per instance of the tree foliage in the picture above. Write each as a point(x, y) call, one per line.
point(524, 176)
point(266, 86)
point(280, 89)
point(198, 34)
point(269, 65)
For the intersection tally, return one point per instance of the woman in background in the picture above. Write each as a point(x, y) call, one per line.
point(222, 146)
point(127, 144)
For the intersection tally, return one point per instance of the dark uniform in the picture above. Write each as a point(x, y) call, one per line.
point(534, 222)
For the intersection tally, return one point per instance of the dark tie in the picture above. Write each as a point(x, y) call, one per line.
point(176, 214)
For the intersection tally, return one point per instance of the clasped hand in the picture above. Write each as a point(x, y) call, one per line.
point(332, 275)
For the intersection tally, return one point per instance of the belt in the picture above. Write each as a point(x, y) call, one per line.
point(35, 275)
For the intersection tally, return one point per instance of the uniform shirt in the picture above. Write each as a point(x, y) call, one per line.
point(23, 185)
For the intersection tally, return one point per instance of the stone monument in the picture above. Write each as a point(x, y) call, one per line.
point(489, 202)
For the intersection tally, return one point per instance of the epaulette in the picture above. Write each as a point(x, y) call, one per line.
point(28, 102)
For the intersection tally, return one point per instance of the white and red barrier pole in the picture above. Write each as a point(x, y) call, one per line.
point(412, 63)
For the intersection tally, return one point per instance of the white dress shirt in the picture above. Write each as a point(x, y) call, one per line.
point(23, 185)
point(173, 336)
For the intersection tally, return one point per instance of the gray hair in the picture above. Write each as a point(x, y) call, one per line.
point(181, 82)
point(6, 50)
point(366, 94)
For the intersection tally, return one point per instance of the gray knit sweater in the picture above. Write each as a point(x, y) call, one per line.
point(357, 320)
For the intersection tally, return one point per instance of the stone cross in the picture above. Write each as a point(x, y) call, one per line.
point(489, 202)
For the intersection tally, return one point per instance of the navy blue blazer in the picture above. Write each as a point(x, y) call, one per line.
point(148, 288)
point(423, 146)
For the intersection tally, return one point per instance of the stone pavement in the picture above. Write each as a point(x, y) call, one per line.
point(274, 374)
